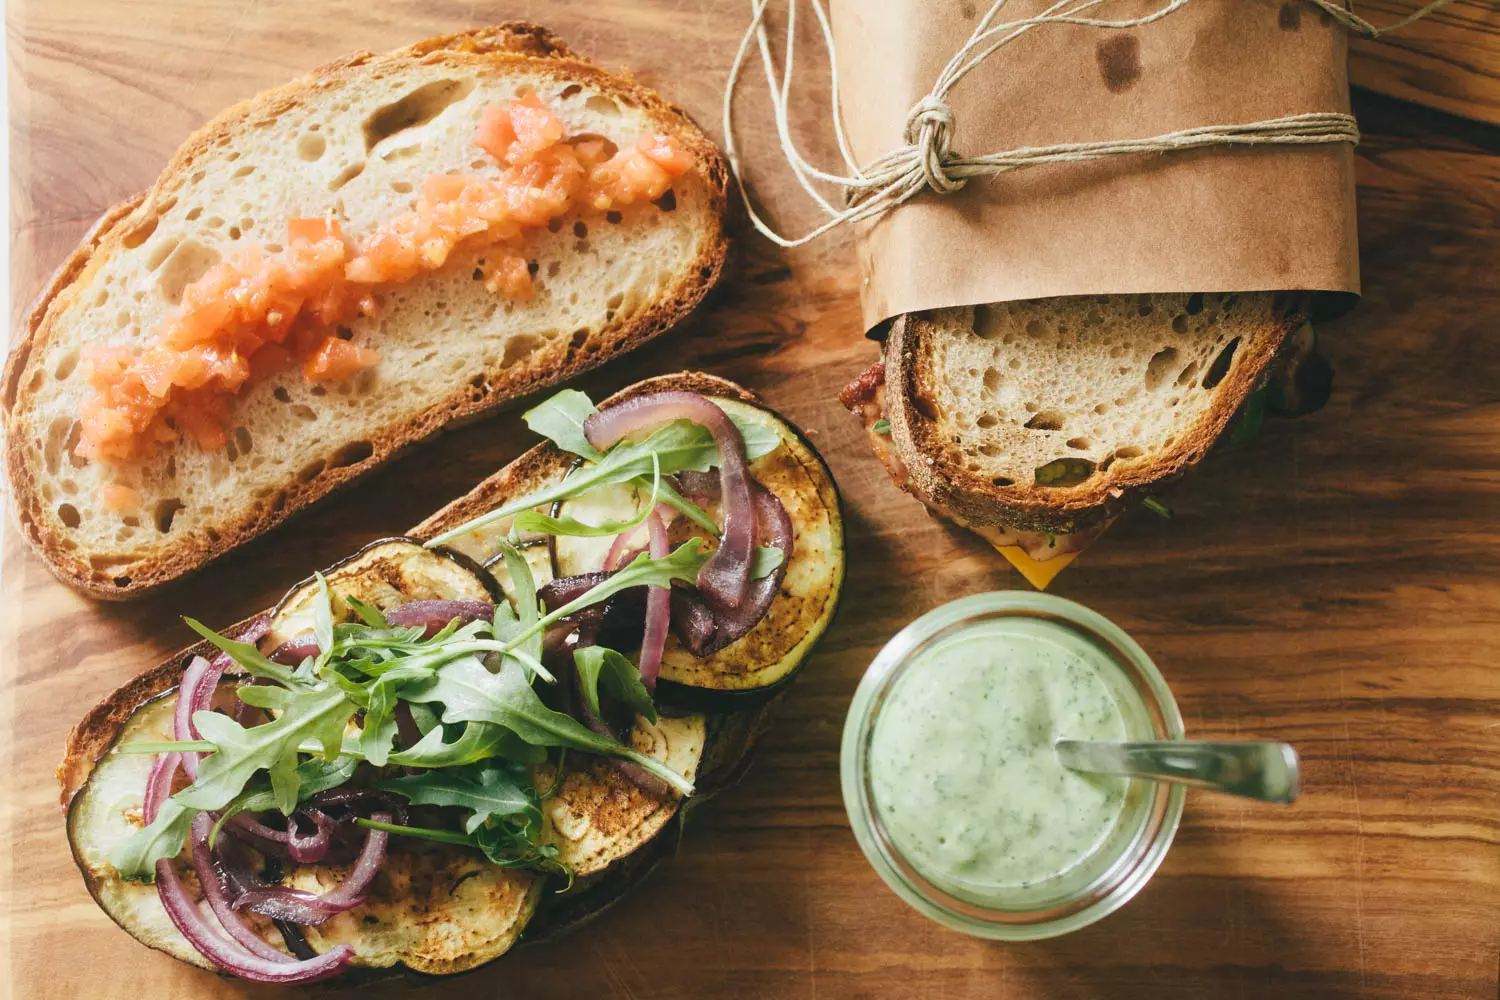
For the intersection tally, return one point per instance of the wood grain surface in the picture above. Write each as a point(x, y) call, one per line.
point(1449, 60)
point(1334, 583)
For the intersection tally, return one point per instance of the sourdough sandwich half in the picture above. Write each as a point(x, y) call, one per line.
point(1036, 422)
point(354, 141)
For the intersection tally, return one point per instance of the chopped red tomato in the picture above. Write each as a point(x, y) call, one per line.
point(336, 359)
point(117, 497)
point(251, 315)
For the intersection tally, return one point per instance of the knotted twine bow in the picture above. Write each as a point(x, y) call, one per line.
point(927, 160)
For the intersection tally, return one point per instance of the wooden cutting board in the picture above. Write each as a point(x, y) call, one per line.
point(1334, 583)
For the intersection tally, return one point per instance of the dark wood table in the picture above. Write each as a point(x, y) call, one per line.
point(1334, 583)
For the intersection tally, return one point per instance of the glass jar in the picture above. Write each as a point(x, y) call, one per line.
point(1121, 863)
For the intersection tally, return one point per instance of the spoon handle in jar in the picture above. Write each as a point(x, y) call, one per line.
point(1265, 771)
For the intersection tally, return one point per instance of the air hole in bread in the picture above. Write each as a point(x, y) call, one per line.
point(1102, 408)
point(1179, 324)
point(234, 232)
point(1002, 481)
point(189, 262)
point(365, 381)
point(1080, 444)
point(164, 513)
point(311, 471)
point(615, 300)
point(985, 422)
point(1047, 420)
point(351, 454)
point(140, 233)
point(213, 222)
point(132, 522)
point(554, 268)
point(520, 346)
point(194, 214)
point(401, 187)
point(1194, 304)
point(1186, 375)
point(281, 394)
point(580, 229)
point(230, 451)
point(1129, 451)
point(242, 440)
point(346, 175)
point(1064, 472)
point(1220, 367)
point(417, 108)
point(65, 365)
point(1158, 367)
point(69, 515)
point(70, 446)
point(991, 379)
point(57, 433)
point(37, 378)
point(554, 225)
point(159, 254)
point(69, 487)
point(318, 390)
point(570, 90)
point(613, 218)
point(171, 469)
point(603, 106)
point(478, 164)
point(667, 202)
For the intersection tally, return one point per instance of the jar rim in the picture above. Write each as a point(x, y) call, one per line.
point(1135, 862)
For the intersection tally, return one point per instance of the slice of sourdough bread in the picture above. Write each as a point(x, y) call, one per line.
point(1053, 415)
point(356, 139)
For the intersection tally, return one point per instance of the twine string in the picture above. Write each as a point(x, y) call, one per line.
point(927, 160)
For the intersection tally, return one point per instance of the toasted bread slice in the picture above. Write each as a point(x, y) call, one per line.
point(355, 139)
point(609, 829)
point(1052, 415)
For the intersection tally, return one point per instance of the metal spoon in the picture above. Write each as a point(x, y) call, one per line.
point(1265, 771)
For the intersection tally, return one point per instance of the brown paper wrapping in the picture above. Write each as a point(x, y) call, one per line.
point(1232, 219)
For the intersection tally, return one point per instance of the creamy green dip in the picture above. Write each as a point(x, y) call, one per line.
point(961, 759)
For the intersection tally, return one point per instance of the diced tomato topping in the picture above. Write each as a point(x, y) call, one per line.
point(336, 359)
point(117, 497)
point(253, 314)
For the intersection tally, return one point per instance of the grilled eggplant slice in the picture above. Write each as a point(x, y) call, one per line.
point(386, 573)
point(600, 816)
point(754, 666)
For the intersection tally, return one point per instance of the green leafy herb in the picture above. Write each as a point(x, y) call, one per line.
point(764, 561)
point(677, 446)
point(486, 792)
point(682, 564)
point(531, 520)
point(1156, 507)
point(881, 426)
point(504, 847)
point(470, 693)
point(136, 856)
point(560, 419)
point(596, 665)
point(246, 655)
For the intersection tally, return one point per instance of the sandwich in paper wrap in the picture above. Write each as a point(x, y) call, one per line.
point(1234, 221)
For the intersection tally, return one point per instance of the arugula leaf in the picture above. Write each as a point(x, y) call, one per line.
point(165, 746)
point(528, 606)
point(619, 675)
point(368, 613)
point(478, 741)
point(319, 715)
point(759, 439)
point(323, 620)
point(378, 733)
point(881, 426)
point(313, 776)
point(504, 847)
point(560, 419)
point(532, 520)
point(246, 655)
point(764, 560)
point(671, 448)
point(136, 856)
point(487, 792)
point(683, 563)
point(470, 693)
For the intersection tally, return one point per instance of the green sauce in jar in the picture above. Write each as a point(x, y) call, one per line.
point(961, 760)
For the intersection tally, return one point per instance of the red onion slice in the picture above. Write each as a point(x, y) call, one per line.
point(231, 956)
point(159, 784)
point(658, 608)
point(215, 883)
point(705, 627)
point(434, 616)
point(726, 575)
